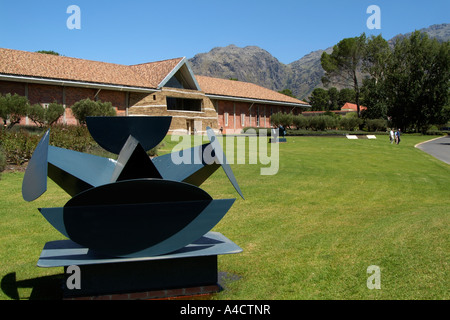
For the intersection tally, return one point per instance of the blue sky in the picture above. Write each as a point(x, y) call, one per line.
point(132, 31)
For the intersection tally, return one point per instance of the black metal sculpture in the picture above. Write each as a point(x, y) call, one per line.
point(133, 206)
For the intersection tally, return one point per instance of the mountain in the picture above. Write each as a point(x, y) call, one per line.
point(307, 74)
point(256, 65)
point(441, 32)
point(250, 64)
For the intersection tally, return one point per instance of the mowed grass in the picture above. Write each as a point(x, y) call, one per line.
point(334, 208)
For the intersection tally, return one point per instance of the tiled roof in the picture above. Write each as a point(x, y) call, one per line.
point(231, 88)
point(352, 107)
point(39, 65)
point(147, 75)
point(155, 72)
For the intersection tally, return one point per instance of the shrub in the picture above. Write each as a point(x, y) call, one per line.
point(376, 125)
point(331, 122)
point(88, 108)
point(315, 123)
point(75, 138)
point(18, 146)
point(275, 119)
point(2, 160)
point(286, 119)
point(322, 122)
point(350, 122)
point(105, 109)
point(280, 118)
point(300, 122)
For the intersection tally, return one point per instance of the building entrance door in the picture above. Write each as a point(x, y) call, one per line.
point(190, 126)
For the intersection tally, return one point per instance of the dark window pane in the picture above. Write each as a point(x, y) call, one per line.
point(184, 104)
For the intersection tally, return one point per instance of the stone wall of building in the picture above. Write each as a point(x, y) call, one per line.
point(183, 121)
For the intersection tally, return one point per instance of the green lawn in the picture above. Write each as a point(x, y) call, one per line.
point(334, 208)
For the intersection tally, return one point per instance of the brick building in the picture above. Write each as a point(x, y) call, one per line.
point(166, 87)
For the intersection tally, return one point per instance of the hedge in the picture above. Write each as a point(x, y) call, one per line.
point(18, 145)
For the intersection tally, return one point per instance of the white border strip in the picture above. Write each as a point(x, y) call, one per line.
point(428, 141)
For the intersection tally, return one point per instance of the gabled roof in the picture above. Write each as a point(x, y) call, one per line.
point(157, 74)
point(238, 90)
point(185, 72)
point(39, 65)
point(19, 65)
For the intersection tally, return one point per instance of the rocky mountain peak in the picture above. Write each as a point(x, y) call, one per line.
point(256, 65)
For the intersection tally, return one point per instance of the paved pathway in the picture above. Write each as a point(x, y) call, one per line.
point(438, 148)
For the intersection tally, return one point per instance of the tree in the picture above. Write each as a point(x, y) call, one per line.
point(287, 92)
point(373, 96)
point(376, 56)
point(45, 116)
point(343, 64)
point(12, 109)
point(53, 113)
point(333, 95)
point(346, 95)
point(36, 114)
point(48, 52)
point(319, 100)
point(417, 82)
point(88, 108)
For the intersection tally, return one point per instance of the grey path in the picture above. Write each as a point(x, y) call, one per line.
point(438, 148)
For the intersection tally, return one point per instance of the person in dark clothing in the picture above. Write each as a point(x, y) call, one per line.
point(397, 135)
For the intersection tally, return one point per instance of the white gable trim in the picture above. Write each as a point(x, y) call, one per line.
point(182, 66)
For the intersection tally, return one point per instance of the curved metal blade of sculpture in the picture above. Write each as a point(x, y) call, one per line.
point(196, 172)
point(111, 133)
point(35, 179)
point(133, 206)
point(135, 218)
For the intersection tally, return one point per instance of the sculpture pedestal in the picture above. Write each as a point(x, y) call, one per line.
point(194, 266)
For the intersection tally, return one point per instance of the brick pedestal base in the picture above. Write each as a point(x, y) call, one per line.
point(168, 294)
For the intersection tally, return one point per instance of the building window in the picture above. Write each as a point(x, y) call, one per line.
point(225, 115)
point(182, 104)
point(242, 120)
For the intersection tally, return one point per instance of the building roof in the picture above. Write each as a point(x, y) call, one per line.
point(25, 66)
point(40, 65)
point(238, 89)
point(352, 107)
point(155, 72)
